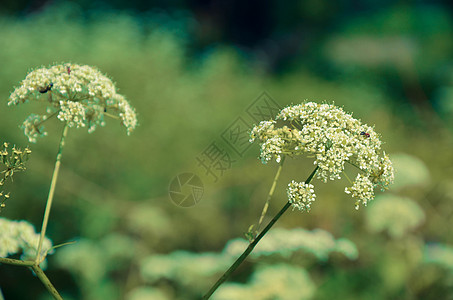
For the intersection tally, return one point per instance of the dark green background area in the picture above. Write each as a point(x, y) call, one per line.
point(190, 68)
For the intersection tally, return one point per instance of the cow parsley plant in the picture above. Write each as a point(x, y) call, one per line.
point(78, 96)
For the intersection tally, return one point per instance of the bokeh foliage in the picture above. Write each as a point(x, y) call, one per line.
point(392, 68)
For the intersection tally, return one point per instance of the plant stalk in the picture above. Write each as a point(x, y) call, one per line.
point(45, 280)
point(252, 245)
point(51, 194)
point(271, 193)
point(38, 271)
point(16, 262)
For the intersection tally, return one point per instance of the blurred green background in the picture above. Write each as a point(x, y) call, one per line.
point(190, 68)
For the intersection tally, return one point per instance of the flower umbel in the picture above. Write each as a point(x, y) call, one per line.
point(77, 94)
point(333, 138)
point(301, 195)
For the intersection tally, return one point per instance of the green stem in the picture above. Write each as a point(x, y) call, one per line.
point(16, 262)
point(354, 165)
point(47, 119)
point(38, 271)
point(34, 265)
point(271, 193)
point(51, 194)
point(347, 177)
point(252, 244)
point(111, 116)
point(45, 280)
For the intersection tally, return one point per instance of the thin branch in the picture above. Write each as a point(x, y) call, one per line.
point(271, 193)
point(252, 245)
point(45, 280)
point(16, 262)
point(51, 194)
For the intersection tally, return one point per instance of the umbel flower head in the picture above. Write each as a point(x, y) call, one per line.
point(77, 94)
point(333, 138)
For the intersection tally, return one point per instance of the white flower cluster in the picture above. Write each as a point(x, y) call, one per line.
point(333, 138)
point(78, 94)
point(20, 237)
point(127, 113)
point(301, 195)
point(73, 113)
point(362, 189)
point(33, 127)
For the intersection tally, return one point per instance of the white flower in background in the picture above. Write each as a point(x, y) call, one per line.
point(20, 237)
point(289, 242)
point(277, 281)
point(78, 94)
point(333, 138)
point(395, 215)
